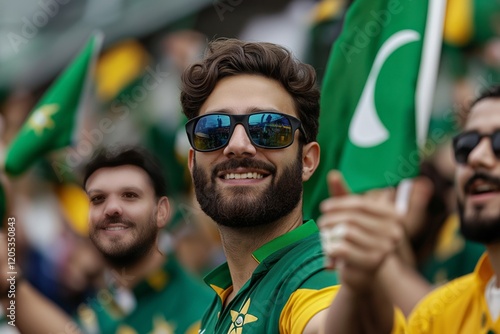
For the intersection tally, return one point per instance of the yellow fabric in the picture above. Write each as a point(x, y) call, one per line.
point(221, 292)
point(75, 207)
point(302, 305)
point(194, 329)
point(458, 24)
point(448, 242)
point(457, 307)
point(119, 67)
point(399, 325)
point(327, 9)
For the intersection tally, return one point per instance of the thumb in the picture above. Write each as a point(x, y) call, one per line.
point(336, 184)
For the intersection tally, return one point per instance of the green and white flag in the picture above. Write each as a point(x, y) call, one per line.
point(377, 95)
point(53, 123)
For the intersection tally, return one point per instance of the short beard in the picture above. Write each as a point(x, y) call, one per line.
point(120, 255)
point(482, 230)
point(246, 209)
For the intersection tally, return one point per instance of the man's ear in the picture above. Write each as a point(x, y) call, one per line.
point(310, 159)
point(163, 213)
point(191, 159)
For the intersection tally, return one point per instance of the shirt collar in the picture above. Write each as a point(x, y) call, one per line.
point(301, 232)
point(219, 279)
point(484, 270)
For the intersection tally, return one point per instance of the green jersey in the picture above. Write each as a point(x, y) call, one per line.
point(167, 301)
point(288, 287)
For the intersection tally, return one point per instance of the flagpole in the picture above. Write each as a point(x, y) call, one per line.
point(98, 37)
point(426, 83)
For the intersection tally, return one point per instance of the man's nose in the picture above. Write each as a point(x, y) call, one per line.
point(239, 143)
point(112, 207)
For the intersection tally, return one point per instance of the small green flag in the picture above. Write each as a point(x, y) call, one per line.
point(371, 104)
point(53, 123)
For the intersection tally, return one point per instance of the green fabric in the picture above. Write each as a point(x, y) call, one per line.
point(161, 141)
point(284, 240)
point(282, 271)
point(52, 122)
point(486, 14)
point(176, 305)
point(380, 149)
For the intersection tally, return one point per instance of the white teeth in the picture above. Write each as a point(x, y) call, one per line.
point(237, 176)
point(117, 228)
point(483, 188)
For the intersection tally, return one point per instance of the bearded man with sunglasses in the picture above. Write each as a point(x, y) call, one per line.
point(471, 304)
point(253, 119)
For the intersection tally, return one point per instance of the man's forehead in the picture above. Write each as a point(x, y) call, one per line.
point(118, 177)
point(484, 115)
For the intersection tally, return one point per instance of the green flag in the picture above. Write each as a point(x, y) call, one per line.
point(53, 123)
point(374, 104)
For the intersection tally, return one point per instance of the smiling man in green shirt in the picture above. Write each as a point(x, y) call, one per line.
point(253, 119)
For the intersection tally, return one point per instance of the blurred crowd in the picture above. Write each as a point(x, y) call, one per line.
point(51, 209)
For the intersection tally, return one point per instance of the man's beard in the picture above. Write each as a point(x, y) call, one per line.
point(485, 230)
point(120, 254)
point(244, 208)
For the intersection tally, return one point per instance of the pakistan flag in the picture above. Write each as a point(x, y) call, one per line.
point(53, 123)
point(377, 94)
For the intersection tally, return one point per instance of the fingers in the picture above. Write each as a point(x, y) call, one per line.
point(343, 233)
point(379, 205)
point(358, 232)
point(337, 186)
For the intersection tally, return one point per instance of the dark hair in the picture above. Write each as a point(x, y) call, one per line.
point(493, 91)
point(136, 156)
point(228, 57)
point(463, 112)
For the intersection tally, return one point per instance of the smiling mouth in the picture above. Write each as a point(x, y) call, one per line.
point(480, 187)
point(115, 228)
point(237, 176)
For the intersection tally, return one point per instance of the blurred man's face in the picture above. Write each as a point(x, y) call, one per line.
point(122, 214)
point(478, 179)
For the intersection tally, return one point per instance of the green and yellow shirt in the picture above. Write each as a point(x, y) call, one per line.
point(167, 301)
point(288, 287)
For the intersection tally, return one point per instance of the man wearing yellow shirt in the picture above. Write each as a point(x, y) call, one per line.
point(471, 304)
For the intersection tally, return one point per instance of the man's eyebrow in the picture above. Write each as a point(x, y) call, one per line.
point(126, 188)
point(92, 191)
point(132, 188)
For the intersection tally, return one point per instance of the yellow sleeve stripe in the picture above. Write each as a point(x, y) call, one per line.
point(458, 25)
point(302, 305)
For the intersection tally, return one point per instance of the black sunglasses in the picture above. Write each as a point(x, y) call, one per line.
point(464, 144)
point(266, 129)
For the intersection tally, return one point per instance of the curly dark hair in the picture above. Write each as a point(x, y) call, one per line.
point(228, 57)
